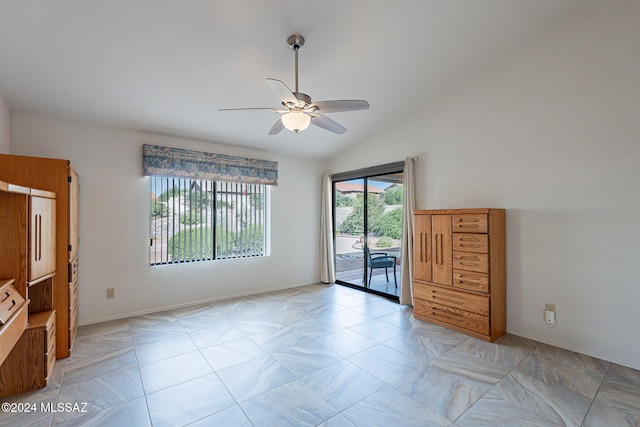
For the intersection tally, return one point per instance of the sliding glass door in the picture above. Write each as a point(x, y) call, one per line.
point(368, 229)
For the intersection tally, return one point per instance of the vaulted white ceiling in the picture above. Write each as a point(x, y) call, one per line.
point(167, 66)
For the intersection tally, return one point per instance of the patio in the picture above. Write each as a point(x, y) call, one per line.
point(378, 280)
point(350, 269)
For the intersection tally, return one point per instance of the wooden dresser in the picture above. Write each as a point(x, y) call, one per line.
point(459, 278)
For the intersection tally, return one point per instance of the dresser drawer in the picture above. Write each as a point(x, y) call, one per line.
point(469, 261)
point(470, 223)
point(51, 351)
point(42, 332)
point(10, 301)
point(73, 323)
point(471, 242)
point(471, 281)
point(73, 270)
point(453, 316)
point(73, 294)
point(73, 315)
point(51, 332)
point(463, 301)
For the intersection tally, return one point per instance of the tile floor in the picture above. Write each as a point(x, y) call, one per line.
point(320, 355)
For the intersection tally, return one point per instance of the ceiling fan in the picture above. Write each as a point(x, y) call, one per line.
point(296, 107)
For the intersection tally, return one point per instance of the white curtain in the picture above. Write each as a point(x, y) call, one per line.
point(408, 206)
point(327, 265)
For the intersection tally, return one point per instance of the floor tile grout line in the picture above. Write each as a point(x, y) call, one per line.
point(144, 391)
point(492, 387)
point(595, 396)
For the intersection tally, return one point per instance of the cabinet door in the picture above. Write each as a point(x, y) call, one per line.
point(442, 250)
point(422, 248)
point(42, 237)
point(74, 187)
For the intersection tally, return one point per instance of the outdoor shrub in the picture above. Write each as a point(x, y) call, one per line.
point(354, 223)
point(342, 200)
point(389, 225)
point(194, 217)
point(158, 209)
point(197, 243)
point(393, 195)
point(192, 244)
point(385, 242)
point(248, 242)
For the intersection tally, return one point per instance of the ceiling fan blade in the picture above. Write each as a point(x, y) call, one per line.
point(274, 110)
point(328, 124)
point(283, 92)
point(341, 105)
point(276, 128)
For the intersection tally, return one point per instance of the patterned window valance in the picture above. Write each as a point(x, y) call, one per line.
point(167, 161)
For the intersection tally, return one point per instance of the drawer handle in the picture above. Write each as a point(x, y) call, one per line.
point(469, 279)
point(443, 313)
point(470, 264)
point(469, 226)
point(439, 249)
point(13, 304)
point(469, 245)
point(7, 295)
point(447, 298)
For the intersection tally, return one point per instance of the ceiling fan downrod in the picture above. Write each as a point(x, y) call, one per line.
point(296, 41)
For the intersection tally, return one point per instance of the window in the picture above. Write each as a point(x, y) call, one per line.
point(207, 206)
point(200, 220)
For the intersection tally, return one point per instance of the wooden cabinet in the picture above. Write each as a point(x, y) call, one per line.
point(59, 177)
point(432, 254)
point(460, 270)
point(27, 273)
point(71, 313)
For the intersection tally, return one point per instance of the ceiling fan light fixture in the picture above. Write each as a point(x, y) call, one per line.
point(296, 120)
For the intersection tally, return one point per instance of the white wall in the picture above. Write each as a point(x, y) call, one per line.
point(114, 222)
point(5, 127)
point(552, 134)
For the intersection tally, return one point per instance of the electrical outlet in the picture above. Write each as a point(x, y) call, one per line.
point(111, 292)
point(550, 313)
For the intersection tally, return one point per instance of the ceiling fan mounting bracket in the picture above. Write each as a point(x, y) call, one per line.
point(295, 41)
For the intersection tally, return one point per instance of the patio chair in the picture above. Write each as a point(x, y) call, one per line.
point(381, 260)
